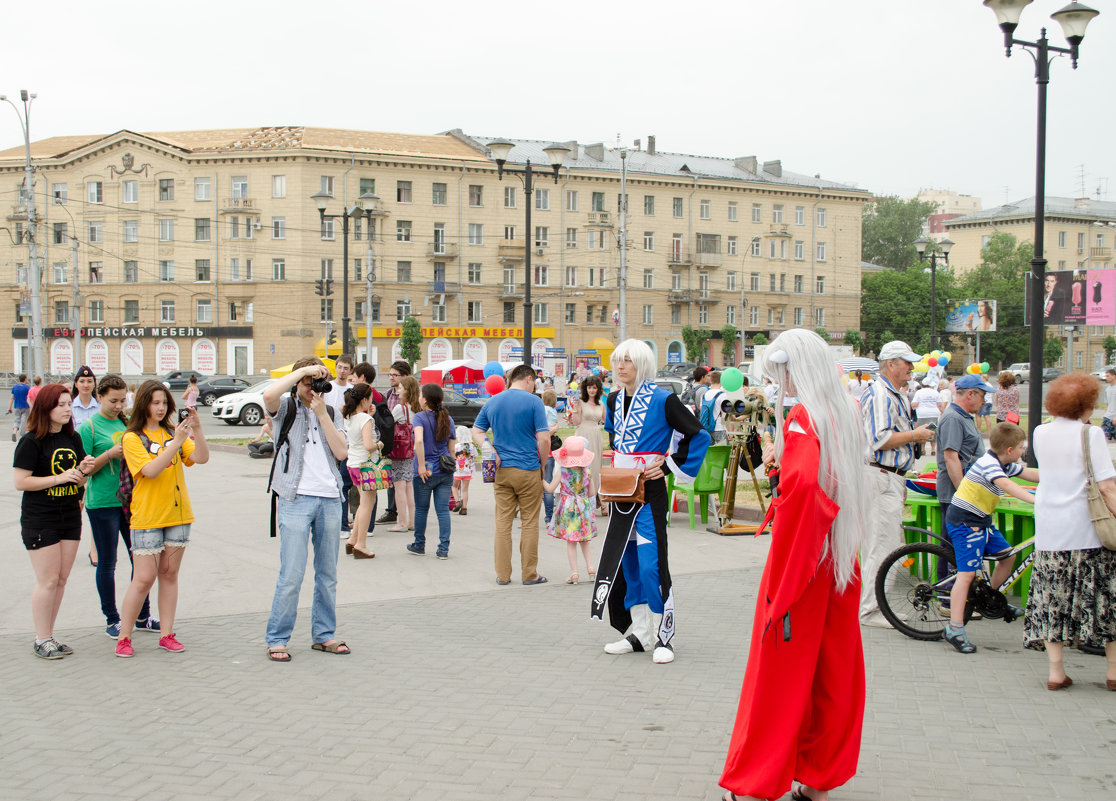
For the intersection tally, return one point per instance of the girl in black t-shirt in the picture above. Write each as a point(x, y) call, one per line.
point(50, 469)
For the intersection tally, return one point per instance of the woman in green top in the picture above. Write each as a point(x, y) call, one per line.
point(101, 435)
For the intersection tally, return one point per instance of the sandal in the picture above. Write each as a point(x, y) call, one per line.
point(359, 554)
point(331, 647)
point(279, 653)
point(572, 579)
point(348, 549)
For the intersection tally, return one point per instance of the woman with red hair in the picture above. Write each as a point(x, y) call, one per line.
point(50, 469)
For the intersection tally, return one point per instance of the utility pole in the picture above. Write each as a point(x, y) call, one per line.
point(623, 244)
point(370, 277)
point(75, 313)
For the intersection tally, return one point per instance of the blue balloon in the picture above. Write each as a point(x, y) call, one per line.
point(596, 371)
point(493, 368)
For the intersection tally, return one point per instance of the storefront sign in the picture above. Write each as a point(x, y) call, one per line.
point(439, 350)
point(137, 331)
point(62, 357)
point(166, 356)
point(463, 331)
point(96, 356)
point(504, 350)
point(131, 357)
point(205, 357)
point(477, 350)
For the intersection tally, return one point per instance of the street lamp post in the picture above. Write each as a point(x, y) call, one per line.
point(364, 207)
point(1074, 18)
point(945, 246)
point(501, 149)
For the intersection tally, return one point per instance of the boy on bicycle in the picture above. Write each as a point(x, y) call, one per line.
point(969, 522)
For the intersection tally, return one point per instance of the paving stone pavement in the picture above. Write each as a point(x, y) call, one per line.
point(460, 690)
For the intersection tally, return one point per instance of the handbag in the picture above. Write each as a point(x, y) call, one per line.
point(448, 463)
point(555, 442)
point(621, 485)
point(1100, 516)
point(403, 443)
point(375, 473)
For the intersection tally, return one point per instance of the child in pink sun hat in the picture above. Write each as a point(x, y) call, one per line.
point(573, 519)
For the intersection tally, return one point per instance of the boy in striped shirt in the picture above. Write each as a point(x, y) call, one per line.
point(970, 526)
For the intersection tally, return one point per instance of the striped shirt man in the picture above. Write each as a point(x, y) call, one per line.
point(886, 411)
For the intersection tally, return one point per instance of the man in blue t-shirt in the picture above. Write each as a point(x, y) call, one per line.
point(521, 439)
point(18, 402)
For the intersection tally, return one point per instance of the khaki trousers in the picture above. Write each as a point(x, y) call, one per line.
point(883, 534)
point(522, 489)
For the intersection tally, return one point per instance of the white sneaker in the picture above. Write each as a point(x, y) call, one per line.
point(662, 655)
point(624, 646)
point(876, 620)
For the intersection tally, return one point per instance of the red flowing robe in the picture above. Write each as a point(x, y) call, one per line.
point(802, 705)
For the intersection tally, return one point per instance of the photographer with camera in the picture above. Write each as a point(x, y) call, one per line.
point(307, 487)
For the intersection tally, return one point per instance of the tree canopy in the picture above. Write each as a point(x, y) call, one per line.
point(889, 229)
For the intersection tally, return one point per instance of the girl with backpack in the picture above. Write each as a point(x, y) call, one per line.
point(435, 463)
point(360, 430)
point(403, 453)
point(155, 449)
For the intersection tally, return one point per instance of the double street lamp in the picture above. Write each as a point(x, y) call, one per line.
point(921, 244)
point(501, 149)
point(365, 207)
point(1074, 18)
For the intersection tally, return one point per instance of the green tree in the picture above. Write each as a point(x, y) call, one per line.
point(694, 339)
point(854, 340)
point(411, 341)
point(728, 344)
point(889, 228)
point(821, 332)
point(896, 305)
point(1001, 277)
point(1109, 349)
point(760, 339)
point(1052, 349)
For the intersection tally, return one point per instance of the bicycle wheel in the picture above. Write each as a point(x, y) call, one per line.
point(907, 590)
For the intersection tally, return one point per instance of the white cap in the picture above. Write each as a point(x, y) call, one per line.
point(897, 349)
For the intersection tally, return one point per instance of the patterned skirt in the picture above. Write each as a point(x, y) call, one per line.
point(1072, 598)
point(403, 470)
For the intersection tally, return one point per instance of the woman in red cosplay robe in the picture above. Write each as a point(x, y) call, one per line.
point(802, 704)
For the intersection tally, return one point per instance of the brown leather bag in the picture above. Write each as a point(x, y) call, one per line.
point(621, 485)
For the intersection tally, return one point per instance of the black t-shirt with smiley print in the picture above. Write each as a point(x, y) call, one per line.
point(55, 508)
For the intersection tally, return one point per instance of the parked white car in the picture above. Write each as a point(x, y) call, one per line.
point(1100, 373)
point(1021, 371)
point(243, 407)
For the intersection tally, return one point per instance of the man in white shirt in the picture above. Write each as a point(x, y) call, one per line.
point(336, 398)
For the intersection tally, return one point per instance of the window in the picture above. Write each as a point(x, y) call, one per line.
point(96, 272)
point(799, 250)
point(368, 186)
point(753, 315)
point(402, 230)
point(509, 311)
point(60, 232)
point(278, 269)
point(327, 229)
point(62, 311)
point(777, 214)
point(509, 197)
point(771, 317)
point(730, 281)
point(542, 236)
point(438, 194)
point(356, 269)
point(571, 238)
point(278, 227)
point(21, 277)
point(129, 192)
point(327, 269)
point(96, 311)
point(819, 285)
point(474, 311)
point(676, 247)
point(797, 316)
point(358, 227)
point(757, 213)
point(676, 281)
point(621, 204)
point(438, 312)
point(402, 310)
point(439, 238)
point(59, 272)
point(166, 189)
point(1061, 239)
point(278, 186)
point(591, 239)
point(96, 231)
point(731, 246)
point(571, 313)
point(730, 315)
point(756, 244)
point(571, 275)
point(1100, 241)
point(201, 269)
point(677, 207)
point(799, 215)
point(821, 251)
point(94, 192)
point(649, 205)
point(60, 194)
point(402, 191)
point(166, 311)
point(326, 184)
point(234, 269)
point(819, 318)
point(1081, 243)
point(541, 275)
point(771, 283)
point(476, 234)
point(542, 312)
point(358, 311)
point(732, 212)
point(708, 243)
point(798, 283)
point(234, 228)
point(542, 199)
point(676, 315)
point(703, 284)
point(204, 310)
point(166, 230)
point(203, 189)
point(476, 195)
point(474, 272)
point(403, 272)
point(705, 210)
point(703, 315)
point(648, 314)
point(131, 311)
point(782, 282)
point(598, 201)
point(821, 219)
point(166, 270)
point(131, 272)
point(201, 229)
point(375, 311)
point(648, 279)
point(602, 317)
point(131, 231)
point(232, 312)
point(571, 200)
point(509, 232)
point(326, 309)
point(649, 241)
point(782, 317)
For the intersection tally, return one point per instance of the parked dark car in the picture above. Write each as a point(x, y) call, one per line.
point(1049, 374)
point(463, 410)
point(216, 387)
point(683, 370)
point(180, 379)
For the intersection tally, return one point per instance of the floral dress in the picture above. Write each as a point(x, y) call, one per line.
point(573, 519)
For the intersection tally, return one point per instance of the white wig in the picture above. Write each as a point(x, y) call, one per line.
point(641, 355)
point(801, 356)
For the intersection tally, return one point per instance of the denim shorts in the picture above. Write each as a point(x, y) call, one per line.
point(152, 540)
point(969, 546)
point(985, 409)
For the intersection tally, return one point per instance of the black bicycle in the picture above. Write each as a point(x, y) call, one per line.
point(916, 602)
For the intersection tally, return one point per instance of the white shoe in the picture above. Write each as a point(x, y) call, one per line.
point(624, 646)
point(662, 655)
point(876, 620)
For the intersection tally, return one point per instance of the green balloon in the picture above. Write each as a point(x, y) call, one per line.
point(732, 379)
point(985, 367)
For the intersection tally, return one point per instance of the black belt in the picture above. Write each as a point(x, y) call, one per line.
point(895, 470)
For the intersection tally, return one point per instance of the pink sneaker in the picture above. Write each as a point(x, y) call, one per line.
point(169, 643)
point(124, 647)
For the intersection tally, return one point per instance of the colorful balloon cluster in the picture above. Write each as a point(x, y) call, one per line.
point(494, 378)
point(976, 368)
point(935, 358)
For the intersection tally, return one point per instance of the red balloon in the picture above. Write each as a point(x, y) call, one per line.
point(494, 384)
point(932, 362)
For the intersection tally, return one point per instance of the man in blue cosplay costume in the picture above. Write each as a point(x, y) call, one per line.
point(633, 578)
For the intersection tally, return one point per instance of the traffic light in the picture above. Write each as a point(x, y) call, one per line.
point(329, 287)
point(320, 289)
point(332, 338)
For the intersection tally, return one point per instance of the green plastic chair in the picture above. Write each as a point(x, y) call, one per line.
point(710, 481)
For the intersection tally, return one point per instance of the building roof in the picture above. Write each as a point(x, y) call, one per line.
point(674, 165)
point(1082, 208)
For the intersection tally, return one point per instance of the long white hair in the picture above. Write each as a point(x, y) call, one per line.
point(801, 356)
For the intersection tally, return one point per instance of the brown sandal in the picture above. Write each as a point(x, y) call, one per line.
point(279, 653)
point(333, 647)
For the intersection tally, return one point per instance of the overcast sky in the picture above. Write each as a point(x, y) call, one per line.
point(889, 95)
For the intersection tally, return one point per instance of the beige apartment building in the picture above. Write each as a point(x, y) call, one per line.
point(1079, 234)
point(203, 249)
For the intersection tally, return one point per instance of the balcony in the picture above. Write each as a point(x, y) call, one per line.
point(680, 257)
point(441, 251)
point(600, 219)
point(18, 213)
point(1102, 254)
point(234, 205)
point(510, 291)
point(705, 296)
point(443, 287)
point(679, 296)
point(780, 229)
point(510, 250)
point(707, 259)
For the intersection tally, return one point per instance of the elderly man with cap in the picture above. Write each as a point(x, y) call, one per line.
point(892, 435)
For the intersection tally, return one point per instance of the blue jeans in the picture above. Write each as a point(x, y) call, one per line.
point(548, 497)
point(106, 524)
point(437, 485)
point(307, 519)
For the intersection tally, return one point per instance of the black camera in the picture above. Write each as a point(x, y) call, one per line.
point(183, 414)
point(321, 385)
